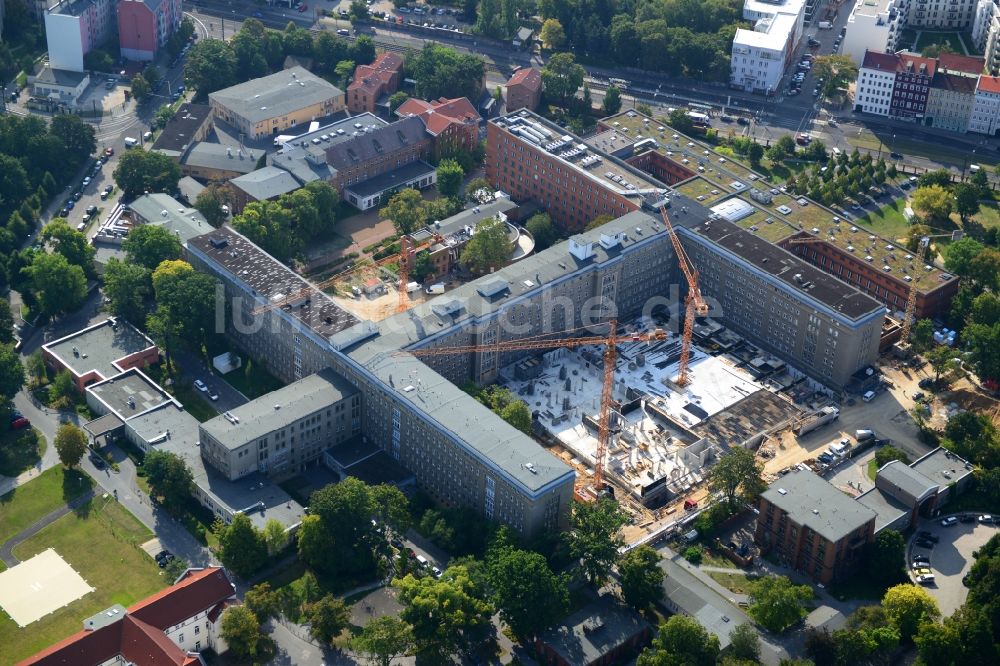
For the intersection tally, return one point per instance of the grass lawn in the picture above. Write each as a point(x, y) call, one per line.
point(872, 468)
point(950, 38)
point(889, 221)
point(101, 543)
point(735, 582)
point(20, 450)
point(192, 402)
point(23, 506)
point(252, 380)
point(712, 558)
point(988, 216)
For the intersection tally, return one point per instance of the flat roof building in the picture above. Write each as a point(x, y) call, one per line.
point(812, 526)
point(189, 125)
point(218, 162)
point(604, 631)
point(163, 210)
point(100, 351)
point(267, 105)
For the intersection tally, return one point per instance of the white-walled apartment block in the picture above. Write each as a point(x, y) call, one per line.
point(761, 55)
point(74, 27)
point(985, 117)
point(874, 25)
point(875, 84)
point(986, 32)
point(941, 14)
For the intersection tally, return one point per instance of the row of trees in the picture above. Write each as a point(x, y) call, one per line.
point(256, 51)
point(283, 227)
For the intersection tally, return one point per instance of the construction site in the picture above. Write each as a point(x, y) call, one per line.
point(662, 436)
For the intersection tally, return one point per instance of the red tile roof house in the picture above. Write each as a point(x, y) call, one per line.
point(170, 628)
point(454, 123)
point(524, 90)
point(101, 351)
point(372, 82)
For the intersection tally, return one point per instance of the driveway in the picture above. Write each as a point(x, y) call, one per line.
point(951, 558)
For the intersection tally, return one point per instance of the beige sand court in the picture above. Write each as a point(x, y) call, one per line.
point(39, 586)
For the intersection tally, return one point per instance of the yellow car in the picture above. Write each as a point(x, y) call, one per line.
point(922, 571)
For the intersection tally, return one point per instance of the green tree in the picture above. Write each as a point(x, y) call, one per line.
point(907, 606)
point(127, 286)
point(384, 639)
point(641, 577)
point(922, 335)
point(984, 269)
point(263, 601)
point(6, 323)
point(594, 537)
point(755, 154)
point(489, 247)
point(149, 245)
point(315, 543)
point(70, 243)
point(518, 415)
point(449, 178)
point(140, 87)
point(737, 474)
point(937, 644)
point(941, 177)
point(169, 478)
point(210, 65)
point(552, 34)
point(11, 372)
point(934, 202)
point(448, 614)
point(612, 100)
point(58, 285)
point(984, 344)
point(78, 136)
point(744, 643)
point(941, 360)
point(275, 536)
point(541, 229)
point(440, 71)
point(479, 190)
point(885, 561)
point(681, 641)
point(966, 200)
point(185, 304)
point(241, 546)
point(406, 210)
point(343, 71)
point(958, 258)
point(61, 390)
point(562, 77)
point(776, 603)
point(209, 203)
point(529, 596)
point(328, 617)
point(141, 171)
point(71, 444)
point(888, 453)
point(241, 631)
point(396, 100)
point(837, 71)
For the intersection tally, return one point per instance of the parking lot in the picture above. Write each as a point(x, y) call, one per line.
point(950, 558)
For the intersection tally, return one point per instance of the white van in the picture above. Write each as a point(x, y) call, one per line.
point(836, 151)
point(422, 560)
point(869, 396)
point(130, 142)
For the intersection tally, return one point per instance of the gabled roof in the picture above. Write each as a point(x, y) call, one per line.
point(899, 62)
point(990, 84)
point(368, 145)
point(377, 74)
point(439, 115)
point(954, 62)
point(954, 82)
point(529, 77)
point(138, 636)
point(878, 60)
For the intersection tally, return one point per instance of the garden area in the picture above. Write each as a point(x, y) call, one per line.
point(951, 41)
point(100, 540)
point(889, 221)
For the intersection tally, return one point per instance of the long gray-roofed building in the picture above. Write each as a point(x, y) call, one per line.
point(812, 526)
point(284, 430)
point(277, 102)
point(261, 185)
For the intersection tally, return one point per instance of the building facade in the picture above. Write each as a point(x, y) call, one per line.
point(264, 106)
point(452, 124)
point(760, 56)
point(874, 26)
point(144, 26)
point(373, 82)
point(524, 89)
point(913, 82)
point(986, 33)
point(813, 527)
point(284, 431)
point(876, 79)
point(985, 117)
point(941, 14)
point(74, 27)
point(950, 102)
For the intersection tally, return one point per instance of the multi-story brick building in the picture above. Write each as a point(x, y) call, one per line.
point(914, 75)
point(285, 430)
point(374, 82)
point(144, 26)
point(266, 106)
point(524, 89)
point(813, 527)
point(453, 124)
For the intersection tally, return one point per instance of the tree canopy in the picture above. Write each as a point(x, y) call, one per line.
point(529, 596)
point(907, 606)
point(241, 546)
point(776, 603)
point(681, 641)
point(149, 245)
point(140, 171)
point(737, 475)
point(641, 577)
point(562, 77)
point(71, 444)
point(489, 247)
point(440, 71)
point(594, 537)
point(169, 478)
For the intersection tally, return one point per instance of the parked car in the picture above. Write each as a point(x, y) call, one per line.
point(925, 579)
point(949, 521)
point(922, 571)
point(86, 181)
point(926, 383)
point(19, 422)
point(97, 460)
point(212, 395)
point(200, 385)
point(895, 156)
point(967, 518)
point(924, 543)
point(923, 559)
point(924, 534)
point(986, 519)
